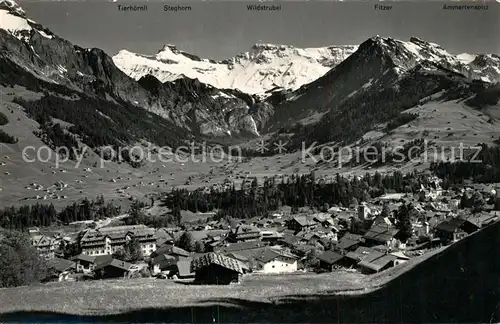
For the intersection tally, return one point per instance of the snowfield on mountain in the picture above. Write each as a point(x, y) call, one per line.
point(265, 67)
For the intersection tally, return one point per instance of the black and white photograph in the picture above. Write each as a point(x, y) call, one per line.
point(236, 161)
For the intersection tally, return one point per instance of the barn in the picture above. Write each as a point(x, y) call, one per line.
point(214, 268)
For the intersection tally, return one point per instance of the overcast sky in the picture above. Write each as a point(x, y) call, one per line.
point(223, 29)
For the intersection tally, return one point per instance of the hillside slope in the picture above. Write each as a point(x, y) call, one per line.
point(34, 57)
point(373, 86)
point(461, 284)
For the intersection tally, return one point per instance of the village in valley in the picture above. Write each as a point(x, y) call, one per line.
point(366, 237)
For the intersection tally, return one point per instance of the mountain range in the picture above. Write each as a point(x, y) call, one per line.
point(264, 68)
point(334, 93)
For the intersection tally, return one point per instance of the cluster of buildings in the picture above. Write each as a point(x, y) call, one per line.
point(52, 192)
point(367, 237)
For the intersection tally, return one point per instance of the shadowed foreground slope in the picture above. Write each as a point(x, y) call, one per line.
point(460, 284)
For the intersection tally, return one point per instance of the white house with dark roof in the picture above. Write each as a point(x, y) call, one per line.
point(276, 261)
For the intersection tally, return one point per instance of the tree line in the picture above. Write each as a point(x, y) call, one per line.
point(485, 171)
point(43, 215)
point(20, 263)
point(297, 191)
point(4, 137)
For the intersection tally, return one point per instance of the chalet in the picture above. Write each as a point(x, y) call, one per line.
point(381, 232)
point(309, 237)
point(289, 240)
point(212, 241)
point(244, 233)
point(108, 240)
point(163, 237)
point(328, 259)
point(271, 236)
point(61, 269)
point(213, 245)
point(182, 270)
point(215, 268)
point(244, 261)
point(87, 263)
point(161, 263)
point(329, 233)
point(276, 261)
point(235, 247)
point(375, 263)
point(301, 223)
point(454, 229)
point(45, 245)
point(302, 249)
point(352, 258)
point(171, 250)
point(112, 268)
point(349, 242)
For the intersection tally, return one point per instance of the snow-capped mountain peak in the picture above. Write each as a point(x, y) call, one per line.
point(13, 20)
point(262, 68)
point(405, 55)
point(12, 7)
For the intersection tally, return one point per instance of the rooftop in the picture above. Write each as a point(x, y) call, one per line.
point(381, 232)
point(330, 257)
point(269, 254)
point(377, 263)
point(114, 263)
point(218, 259)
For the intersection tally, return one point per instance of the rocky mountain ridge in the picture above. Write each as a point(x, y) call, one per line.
point(381, 76)
point(264, 68)
point(38, 54)
point(373, 86)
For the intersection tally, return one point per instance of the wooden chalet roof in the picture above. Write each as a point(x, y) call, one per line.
point(41, 240)
point(330, 257)
point(305, 220)
point(377, 263)
point(170, 249)
point(349, 240)
point(268, 254)
point(450, 225)
point(233, 247)
point(115, 264)
point(218, 259)
point(361, 253)
point(381, 232)
point(245, 230)
point(61, 265)
point(95, 259)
